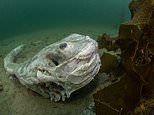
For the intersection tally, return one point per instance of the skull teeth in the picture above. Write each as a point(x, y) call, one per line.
point(57, 92)
point(54, 96)
point(44, 71)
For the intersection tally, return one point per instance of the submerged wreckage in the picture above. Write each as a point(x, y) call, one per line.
point(134, 93)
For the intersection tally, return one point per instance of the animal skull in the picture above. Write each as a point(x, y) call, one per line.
point(58, 69)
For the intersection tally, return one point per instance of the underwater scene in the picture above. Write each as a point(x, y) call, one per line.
point(76, 57)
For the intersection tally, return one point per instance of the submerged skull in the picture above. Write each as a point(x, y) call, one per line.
point(59, 69)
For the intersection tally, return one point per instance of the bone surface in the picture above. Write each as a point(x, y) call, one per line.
point(58, 69)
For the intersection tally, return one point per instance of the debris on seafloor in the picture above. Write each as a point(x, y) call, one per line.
point(134, 93)
point(109, 52)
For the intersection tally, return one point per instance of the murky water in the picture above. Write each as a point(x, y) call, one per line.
point(22, 16)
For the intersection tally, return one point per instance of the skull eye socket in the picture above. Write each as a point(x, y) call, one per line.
point(63, 45)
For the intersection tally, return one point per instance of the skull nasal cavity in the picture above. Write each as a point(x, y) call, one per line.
point(52, 58)
point(63, 45)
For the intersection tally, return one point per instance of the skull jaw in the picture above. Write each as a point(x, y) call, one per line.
point(56, 92)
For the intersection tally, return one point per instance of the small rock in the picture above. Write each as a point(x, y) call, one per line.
point(90, 110)
point(1, 86)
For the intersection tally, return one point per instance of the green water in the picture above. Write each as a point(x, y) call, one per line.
point(22, 16)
